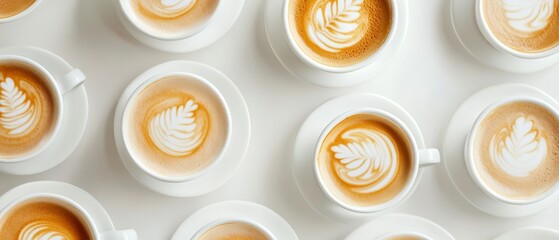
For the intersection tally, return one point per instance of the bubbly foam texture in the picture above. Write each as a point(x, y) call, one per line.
point(173, 17)
point(10, 8)
point(43, 220)
point(27, 111)
point(529, 26)
point(404, 237)
point(365, 160)
point(176, 126)
point(234, 231)
point(340, 33)
point(516, 150)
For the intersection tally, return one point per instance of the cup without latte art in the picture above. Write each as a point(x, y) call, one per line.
point(339, 33)
point(176, 126)
point(44, 218)
point(10, 8)
point(172, 18)
point(528, 26)
point(234, 231)
point(365, 160)
point(516, 150)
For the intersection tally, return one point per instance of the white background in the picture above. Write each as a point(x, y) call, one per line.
point(431, 77)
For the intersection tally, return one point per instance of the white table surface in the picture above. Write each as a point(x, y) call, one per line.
point(432, 75)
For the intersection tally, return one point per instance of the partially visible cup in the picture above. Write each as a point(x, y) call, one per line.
point(233, 228)
point(404, 236)
point(512, 151)
point(51, 216)
point(367, 160)
point(31, 106)
point(176, 126)
point(13, 10)
point(169, 19)
point(524, 29)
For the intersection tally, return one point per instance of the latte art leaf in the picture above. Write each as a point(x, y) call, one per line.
point(334, 24)
point(169, 8)
point(528, 15)
point(519, 149)
point(17, 112)
point(176, 131)
point(368, 161)
point(42, 230)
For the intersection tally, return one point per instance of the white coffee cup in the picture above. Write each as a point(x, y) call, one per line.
point(58, 86)
point(129, 147)
point(218, 222)
point(376, 56)
point(492, 39)
point(470, 148)
point(21, 14)
point(77, 210)
point(420, 158)
point(403, 234)
point(126, 8)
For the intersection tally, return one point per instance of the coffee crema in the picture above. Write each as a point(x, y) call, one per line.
point(177, 126)
point(365, 160)
point(10, 8)
point(234, 231)
point(339, 33)
point(525, 26)
point(404, 237)
point(43, 220)
point(27, 109)
point(516, 150)
point(173, 17)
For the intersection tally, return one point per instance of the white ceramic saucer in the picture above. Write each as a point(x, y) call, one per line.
point(232, 158)
point(267, 218)
point(307, 138)
point(455, 139)
point(225, 16)
point(281, 48)
point(465, 26)
point(73, 123)
point(538, 233)
point(393, 223)
point(81, 197)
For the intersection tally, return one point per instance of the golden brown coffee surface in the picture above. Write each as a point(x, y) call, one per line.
point(339, 33)
point(27, 109)
point(525, 26)
point(365, 160)
point(10, 8)
point(173, 17)
point(517, 150)
point(177, 126)
point(404, 237)
point(43, 220)
point(234, 231)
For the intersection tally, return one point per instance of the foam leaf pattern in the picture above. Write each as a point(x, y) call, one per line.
point(334, 24)
point(528, 15)
point(368, 161)
point(168, 8)
point(518, 149)
point(176, 131)
point(17, 112)
point(42, 230)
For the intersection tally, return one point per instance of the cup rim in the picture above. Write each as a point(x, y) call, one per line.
point(226, 220)
point(404, 233)
point(483, 26)
point(59, 107)
point(369, 60)
point(129, 149)
point(22, 13)
point(91, 224)
point(404, 192)
point(469, 149)
point(131, 16)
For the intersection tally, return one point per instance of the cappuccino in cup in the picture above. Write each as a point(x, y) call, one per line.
point(234, 230)
point(11, 8)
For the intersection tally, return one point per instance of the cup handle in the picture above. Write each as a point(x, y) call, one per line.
point(71, 80)
point(429, 157)
point(129, 234)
